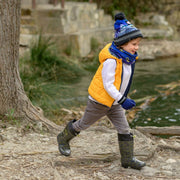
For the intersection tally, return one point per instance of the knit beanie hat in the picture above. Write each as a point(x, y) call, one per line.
point(124, 30)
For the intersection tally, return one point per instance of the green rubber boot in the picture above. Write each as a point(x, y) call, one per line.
point(126, 146)
point(64, 138)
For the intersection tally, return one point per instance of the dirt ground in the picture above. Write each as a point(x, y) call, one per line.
point(29, 155)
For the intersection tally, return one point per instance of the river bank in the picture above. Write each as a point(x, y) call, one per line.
point(29, 155)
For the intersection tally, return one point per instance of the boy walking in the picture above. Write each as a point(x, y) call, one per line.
point(108, 92)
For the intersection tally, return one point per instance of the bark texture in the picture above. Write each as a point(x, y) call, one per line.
point(12, 94)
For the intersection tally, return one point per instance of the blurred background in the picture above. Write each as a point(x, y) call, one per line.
point(59, 46)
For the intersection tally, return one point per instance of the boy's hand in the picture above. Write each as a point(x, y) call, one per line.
point(128, 104)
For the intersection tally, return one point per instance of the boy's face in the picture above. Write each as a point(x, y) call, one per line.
point(132, 46)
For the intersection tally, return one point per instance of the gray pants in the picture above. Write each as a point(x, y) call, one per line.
point(94, 111)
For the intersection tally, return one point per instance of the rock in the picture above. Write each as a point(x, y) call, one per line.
point(163, 142)
point(167, 167)
point(66, 110)
point(159, 20)
point(148, 171)
point(168, 173)
point(95, 155)
point(99, 175)
point(171, 161)
point(152, 49)
point(157, 32)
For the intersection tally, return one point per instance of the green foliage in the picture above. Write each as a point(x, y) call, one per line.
point(94, 44)
point(129, 7)
point(68, 50)
point(47, 64)
point(93, 61)
point(44, 65)
point(78, 0)
point(93, 64)
point(10, 117)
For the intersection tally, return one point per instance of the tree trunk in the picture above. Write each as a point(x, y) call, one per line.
point(12, 94)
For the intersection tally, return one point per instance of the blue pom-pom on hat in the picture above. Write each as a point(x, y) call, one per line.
point(124, 30)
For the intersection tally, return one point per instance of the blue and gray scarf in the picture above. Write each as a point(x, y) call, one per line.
point(126, 57)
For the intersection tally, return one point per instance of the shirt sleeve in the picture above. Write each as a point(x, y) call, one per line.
point(108, 76)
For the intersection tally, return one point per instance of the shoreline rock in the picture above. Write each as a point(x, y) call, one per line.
point(95, 155)
point(155, 49)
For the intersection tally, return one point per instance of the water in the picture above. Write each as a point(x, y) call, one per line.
point(163, 111)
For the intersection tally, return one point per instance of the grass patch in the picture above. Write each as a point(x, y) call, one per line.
point(48, 65)
point(44, 73)
point(92, 62)
point(43, 65)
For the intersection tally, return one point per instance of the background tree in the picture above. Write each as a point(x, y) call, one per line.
point(12, 94)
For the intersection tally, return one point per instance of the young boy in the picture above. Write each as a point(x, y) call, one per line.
point(108, 92)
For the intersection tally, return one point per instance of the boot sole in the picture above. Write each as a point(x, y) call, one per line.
point(133, 167)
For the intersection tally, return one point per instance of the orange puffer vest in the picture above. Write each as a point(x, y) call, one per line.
point(96, 88)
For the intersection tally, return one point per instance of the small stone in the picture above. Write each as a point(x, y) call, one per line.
point(39, 126)
point(171, 161)
point(168, 173)
point(101, 176)
point(148, 171)
point(163, 142)
point(167, 167)
point(45, 139)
